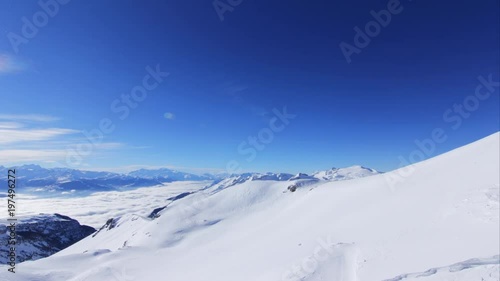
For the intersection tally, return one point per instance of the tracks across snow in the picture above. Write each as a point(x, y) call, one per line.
point(490, 265)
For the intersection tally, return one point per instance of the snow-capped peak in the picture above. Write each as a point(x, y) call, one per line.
point(353, 172)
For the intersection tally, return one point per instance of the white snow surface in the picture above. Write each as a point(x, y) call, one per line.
point(441, 222)
point(348, 173)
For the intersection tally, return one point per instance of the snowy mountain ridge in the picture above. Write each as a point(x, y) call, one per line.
point(334, 174)
point(345, 173)
point(36, 180)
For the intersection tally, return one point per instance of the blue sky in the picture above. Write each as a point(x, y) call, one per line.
point(226, 77)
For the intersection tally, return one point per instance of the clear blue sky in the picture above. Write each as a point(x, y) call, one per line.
point(227, 76)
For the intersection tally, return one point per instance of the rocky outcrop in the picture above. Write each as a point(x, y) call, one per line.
point(41, 236)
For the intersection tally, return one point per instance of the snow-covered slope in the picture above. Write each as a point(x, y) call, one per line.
point(439, 221)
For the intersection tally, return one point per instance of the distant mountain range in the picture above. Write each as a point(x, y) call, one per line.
point(164, 174)
point(34, 179)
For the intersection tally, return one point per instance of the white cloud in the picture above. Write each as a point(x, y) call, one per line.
point(16, 136)
point(10, 64)
point(10, 125)
point(109, 145)
point(169, 115)
point(68, 192)
point(22, 142)
point(130, 168)
point(28, 117)
point(31, 155)
point(96, 209)
point(57, 156)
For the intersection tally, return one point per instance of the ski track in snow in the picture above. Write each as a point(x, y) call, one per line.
point(465, 265)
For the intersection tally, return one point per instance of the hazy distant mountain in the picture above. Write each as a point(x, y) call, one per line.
point(56, 181)
point(62, 181)
point(165, 174)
